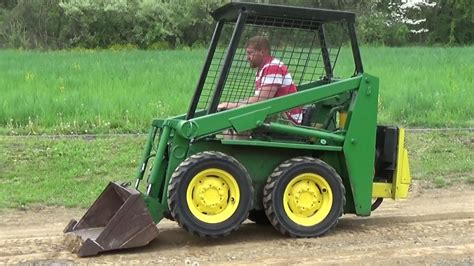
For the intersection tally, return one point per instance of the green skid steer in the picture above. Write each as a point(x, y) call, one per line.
point(213, 167)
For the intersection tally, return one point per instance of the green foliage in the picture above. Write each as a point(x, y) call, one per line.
point(103, 23)
point(452, 22)
point(33, 24)
point(375, 29)
point(94, 24)
point(195, 25)
point(51, 24)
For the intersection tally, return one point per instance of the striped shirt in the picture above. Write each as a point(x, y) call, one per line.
point(274, 72)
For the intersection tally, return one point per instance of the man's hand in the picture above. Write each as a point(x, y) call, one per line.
point(226, 105)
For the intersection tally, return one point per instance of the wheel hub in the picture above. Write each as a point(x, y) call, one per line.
point(307, 199)
point(211, 195)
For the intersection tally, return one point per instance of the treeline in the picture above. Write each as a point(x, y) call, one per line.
point(154, 24)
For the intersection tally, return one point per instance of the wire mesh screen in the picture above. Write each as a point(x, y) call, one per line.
point(298, 52)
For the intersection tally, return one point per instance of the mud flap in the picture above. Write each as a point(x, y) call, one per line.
point(118, 219)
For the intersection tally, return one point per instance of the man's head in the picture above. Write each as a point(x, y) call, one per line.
point(256, 49)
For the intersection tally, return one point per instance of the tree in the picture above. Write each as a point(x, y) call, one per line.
point(32, 24)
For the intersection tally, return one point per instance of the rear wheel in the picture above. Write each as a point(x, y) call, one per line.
point(210, 194)
point(304, 197)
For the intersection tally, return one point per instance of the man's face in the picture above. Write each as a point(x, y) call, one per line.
point(254, 56)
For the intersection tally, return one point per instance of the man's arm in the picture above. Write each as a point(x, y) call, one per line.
point(266, 92)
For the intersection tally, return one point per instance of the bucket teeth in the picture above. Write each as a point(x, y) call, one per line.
point(70, 226)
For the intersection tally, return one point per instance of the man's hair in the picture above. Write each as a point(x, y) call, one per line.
point(259, 43)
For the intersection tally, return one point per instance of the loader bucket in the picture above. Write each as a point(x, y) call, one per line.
point(118, 219)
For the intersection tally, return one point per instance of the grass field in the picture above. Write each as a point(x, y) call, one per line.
point(107, 91)
point(73, 171)
point(66, 92)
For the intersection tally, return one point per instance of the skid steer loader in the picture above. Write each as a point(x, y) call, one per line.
point(213, 167)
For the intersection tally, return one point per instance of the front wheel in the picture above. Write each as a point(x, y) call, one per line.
point(210, 194)
point(304, 197)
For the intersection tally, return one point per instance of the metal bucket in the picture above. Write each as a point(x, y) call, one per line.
point(118, 219)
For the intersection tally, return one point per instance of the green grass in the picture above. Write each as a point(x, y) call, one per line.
point(64, 171)
point(121, 91)
point(94, 91)
point(442, 157)
point(424, 86)
point(73, 171)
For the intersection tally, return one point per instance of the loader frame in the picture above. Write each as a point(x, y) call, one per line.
point(351, 148)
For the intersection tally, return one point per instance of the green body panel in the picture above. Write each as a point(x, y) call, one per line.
point(350, 150)
point(359, 147)
point(247, 121)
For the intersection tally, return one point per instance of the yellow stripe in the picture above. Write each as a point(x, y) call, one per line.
point(402, 177)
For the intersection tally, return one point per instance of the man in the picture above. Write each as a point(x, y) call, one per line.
point(272, 78)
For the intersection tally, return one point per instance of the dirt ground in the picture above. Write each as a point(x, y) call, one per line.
point(432, 226)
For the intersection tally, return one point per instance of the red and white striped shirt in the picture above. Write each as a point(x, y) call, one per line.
point(274, 72)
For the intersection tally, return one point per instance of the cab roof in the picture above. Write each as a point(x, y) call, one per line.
point(230, 12)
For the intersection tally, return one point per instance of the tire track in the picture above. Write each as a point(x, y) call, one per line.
point(434, 227)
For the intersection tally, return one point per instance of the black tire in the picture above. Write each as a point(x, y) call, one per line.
point(304, 177)
point(258, 217)
point(197, 180)
point(376, 203)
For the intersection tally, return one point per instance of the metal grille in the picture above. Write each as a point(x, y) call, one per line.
point(295, 42)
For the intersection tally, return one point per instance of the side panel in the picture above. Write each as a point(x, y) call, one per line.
point(359, 146)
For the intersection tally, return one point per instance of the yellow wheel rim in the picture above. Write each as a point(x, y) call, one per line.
point(308, 199)
point(213, 195)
